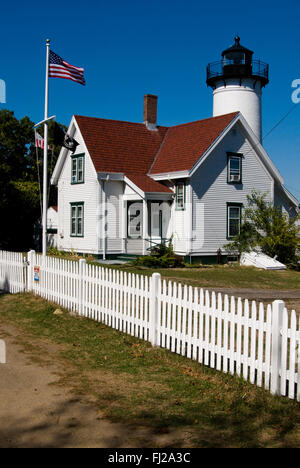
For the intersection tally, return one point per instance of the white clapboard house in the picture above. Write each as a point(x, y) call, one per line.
point(129, 185)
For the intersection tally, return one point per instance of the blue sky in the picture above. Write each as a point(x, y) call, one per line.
point(130, 48)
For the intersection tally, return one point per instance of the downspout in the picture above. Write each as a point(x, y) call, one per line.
point(145, 224)
point(190, 219)
point(103, 220)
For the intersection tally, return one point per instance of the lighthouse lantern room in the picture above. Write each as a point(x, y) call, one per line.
point(237, 81)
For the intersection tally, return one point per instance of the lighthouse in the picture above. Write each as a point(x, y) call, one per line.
point(237, 81)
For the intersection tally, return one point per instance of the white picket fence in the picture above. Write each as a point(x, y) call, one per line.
point(12, 272)
point(260, 344)
point(113, 297)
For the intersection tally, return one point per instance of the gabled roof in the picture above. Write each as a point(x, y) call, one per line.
point(132, 149)
point(147, 184)
point(123, 147)
point(116, 146)
point(184, 144)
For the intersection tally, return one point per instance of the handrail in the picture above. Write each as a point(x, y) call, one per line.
point(219, 68)
point(163, 240)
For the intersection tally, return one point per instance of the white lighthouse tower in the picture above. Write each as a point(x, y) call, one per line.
point(237, 81)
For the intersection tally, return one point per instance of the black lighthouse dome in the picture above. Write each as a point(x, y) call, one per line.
point(237, 53)
point(237, 62)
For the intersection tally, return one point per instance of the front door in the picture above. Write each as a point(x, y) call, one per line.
point(134, 242)
point(159, 220)
point(158, 217)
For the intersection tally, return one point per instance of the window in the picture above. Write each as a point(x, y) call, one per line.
point(135, 220)
point(234, 58)
point(155, 224)
point(234, 211)
point(180, 196)
point(77, 219)
point(234, 168)
point(77, 169)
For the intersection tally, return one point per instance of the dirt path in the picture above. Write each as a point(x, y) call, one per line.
point(260, 294)
point(290, 296)
point(36, 411)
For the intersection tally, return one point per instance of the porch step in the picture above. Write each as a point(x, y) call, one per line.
point(111, 262)
point(127, 257)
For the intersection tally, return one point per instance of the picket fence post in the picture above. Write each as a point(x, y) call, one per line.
point(154, 307)
point(81, 284)
point(30, 266)
point(277, 320)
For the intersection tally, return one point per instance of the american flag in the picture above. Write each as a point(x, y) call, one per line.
point(39, 141)
point(59, 68)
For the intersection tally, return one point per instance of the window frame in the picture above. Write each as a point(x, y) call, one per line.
point(239, 157)
point(151, 233)
point(129, 234)
point(231, 58)
point(228, 206)
point(177, 207)
point(76, 205)
point(76, 158)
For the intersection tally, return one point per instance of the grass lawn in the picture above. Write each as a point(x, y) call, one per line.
point(134, 383)
point(228, 276)
point(216, 276)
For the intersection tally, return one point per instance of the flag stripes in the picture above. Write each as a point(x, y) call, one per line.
point(39, 141)
point(59, 68)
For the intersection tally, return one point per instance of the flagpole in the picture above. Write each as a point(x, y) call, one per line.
point(45, 172)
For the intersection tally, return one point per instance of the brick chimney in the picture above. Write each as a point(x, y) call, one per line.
point(150, 111)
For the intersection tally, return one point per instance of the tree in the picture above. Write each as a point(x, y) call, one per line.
point(265, 228)
point(19, 181)
point(15, 136)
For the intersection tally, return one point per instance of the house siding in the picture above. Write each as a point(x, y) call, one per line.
point(88, 193)
point(211, 192)
point(180, 222)
point(282, 202)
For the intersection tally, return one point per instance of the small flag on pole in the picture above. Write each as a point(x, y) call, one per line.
point(59, 68)
point(63, 139)
point(39, 141)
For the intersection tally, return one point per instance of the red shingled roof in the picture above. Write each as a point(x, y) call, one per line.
point(132, 149)
point(147, 184)
point(117, 146)
point(185, 144)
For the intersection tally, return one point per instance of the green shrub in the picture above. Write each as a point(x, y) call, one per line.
point(265, 228)
point(54, 252)
point(161, 256)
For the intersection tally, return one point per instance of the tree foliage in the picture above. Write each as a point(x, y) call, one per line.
point(21, 180)
point(267, 229)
